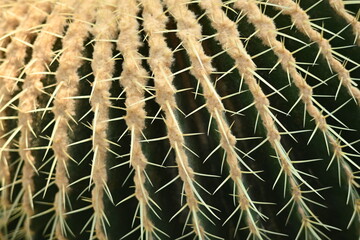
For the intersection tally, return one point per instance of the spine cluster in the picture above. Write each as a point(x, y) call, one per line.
point(51, 52)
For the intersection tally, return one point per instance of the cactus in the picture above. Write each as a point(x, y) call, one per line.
point(177, 119)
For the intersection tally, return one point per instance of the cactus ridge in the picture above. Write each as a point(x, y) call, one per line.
point(177, 119)
point(165, 97)
point(35, 71)
point(301, 21)
point(133, 79)
point(289, 65)
point(339, 7)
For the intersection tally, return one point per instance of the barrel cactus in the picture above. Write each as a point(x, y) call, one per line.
point(178, 119)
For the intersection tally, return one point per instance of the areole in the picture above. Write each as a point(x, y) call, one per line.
point(178, 119)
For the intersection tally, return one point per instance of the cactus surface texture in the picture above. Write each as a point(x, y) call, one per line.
point(179, 119)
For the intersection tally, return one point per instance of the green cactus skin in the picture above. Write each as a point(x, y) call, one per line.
point(178, 119)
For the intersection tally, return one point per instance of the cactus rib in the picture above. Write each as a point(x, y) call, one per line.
point(64, 108)
point(339, 7)
point(178, 119)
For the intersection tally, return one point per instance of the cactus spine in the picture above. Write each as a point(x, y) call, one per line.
point(175, 119)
